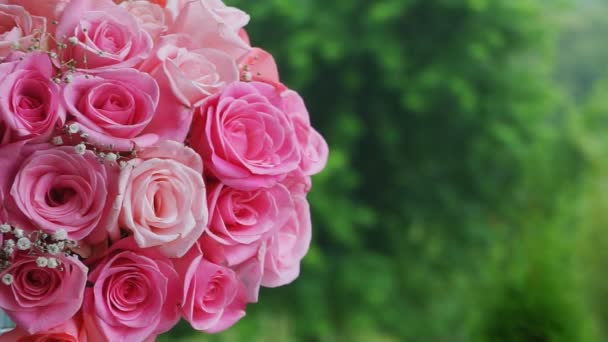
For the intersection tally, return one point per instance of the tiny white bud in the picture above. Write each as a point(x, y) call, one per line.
point(57, 141)
point(247, 76)
point(80, 148)
point(73, 40)
point(42, 262)
point(18, 232)
point(24, 244)
point(61, 234)
point(53, 263)
point(53, 249)
point(73, 128)
point(53, 55)
point(111, 157)
point(5, 228)
point(7, 279)
point(68, 78)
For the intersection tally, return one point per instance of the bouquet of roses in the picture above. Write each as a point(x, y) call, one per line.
point(152, 167)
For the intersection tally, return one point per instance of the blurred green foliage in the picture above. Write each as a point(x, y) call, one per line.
point(465, 197)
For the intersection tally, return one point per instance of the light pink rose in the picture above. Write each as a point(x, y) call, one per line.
point(244, 137)
point(190, 74)
point(49, 9)
point(213, 297)
point(220, 29)
point(313, 148)
point(30, 106)
point(241, 220)
point(105, 36)
point(153, 18)
point(114, 107)
point(42, 298)
point(286, 248)
point(134, 295)
point(163, 199)
point(53, 188)
point(18, 27)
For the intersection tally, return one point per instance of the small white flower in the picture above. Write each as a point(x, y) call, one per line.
point(5, 228)
point(24, 244)
point(53, 55)
point(68, 78)
point(53, 263)
point(7, 279)
point(80, 149)
point(111, 157)
point(8, 250)
point(61, 245)
point(247, 76)
point(61, 234)
point(73, 40)
point(19, 233)
point(42, 262)
point(74, 128)
point(9, 243)
point(57, 141)
point(53, 249)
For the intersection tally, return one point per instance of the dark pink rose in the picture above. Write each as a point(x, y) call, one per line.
point(134, 294)
point(99, 34)
point(114, 107)
point(30, 106)
point(41, 298)
point(246, 140)
point(213, 297)
point(53, 188)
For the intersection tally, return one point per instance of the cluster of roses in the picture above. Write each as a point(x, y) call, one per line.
point(152, 168)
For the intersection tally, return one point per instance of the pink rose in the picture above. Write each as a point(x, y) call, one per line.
point(191, 74)
point(244, 137)
point(114, 107)
point(153, 18)
point(54, 188)
point(42, 298)
point(104, 36)
point(163, 200)
point(134, 295)
point(221, 25)
point(29, 99)
point(313, 148)
point(49, 9)
point(70, 331)
point(18, 28)
point(241, 220)
point(213, 297)
point(288, 246)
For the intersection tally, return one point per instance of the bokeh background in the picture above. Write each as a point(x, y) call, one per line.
point(466, 196)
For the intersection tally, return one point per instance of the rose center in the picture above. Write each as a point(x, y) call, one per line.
point(59, 196)
point(37, 279)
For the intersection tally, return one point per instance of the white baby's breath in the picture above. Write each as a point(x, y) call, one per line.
point(53, 263)
point(5, 228)
point(7, 279)
point(80, 149)
point(18, 232)
point(24, 244)
point(60, 234)
point(42, 261)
